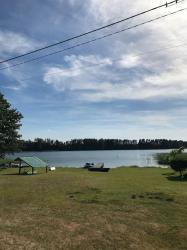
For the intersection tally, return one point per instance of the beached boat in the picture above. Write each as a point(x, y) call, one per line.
point(98, 169)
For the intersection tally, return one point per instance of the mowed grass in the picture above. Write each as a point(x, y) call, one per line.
point(127, 208)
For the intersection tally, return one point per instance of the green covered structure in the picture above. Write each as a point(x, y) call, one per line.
point(33, 162)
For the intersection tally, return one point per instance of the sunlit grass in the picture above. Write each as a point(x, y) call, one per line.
point(127, 208)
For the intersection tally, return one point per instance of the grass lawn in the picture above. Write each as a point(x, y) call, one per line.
point(127, 208)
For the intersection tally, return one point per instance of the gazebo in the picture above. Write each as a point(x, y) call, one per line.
point(33, 162)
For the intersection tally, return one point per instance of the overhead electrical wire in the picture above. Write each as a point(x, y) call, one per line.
point(93, 40)
point(113, 60)
point(167, 4)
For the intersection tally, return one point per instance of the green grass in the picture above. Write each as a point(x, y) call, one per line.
point(127, 208)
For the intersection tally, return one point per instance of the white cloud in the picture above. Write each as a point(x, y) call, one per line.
point(79, 75)
point(136, 75)
point(107, 81)
point(107, 10)
point(129, 61)
point(175, 77)
point(13, 43)
point(150, 36)
point(15, 88)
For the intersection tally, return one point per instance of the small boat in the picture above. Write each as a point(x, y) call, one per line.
point(99, 169)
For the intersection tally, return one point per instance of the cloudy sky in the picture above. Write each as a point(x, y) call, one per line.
point(130, 85)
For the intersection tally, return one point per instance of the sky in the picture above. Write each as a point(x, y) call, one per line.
point(130, 85)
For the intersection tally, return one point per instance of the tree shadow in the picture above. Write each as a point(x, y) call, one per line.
point(12, 174)
point(22, 174)
point(169, 174)
point(3, 168)
point(177, 178)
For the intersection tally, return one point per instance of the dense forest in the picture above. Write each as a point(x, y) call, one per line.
point(102, 144)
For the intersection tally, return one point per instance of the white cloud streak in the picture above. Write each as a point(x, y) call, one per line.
point(78, 76)
point(14, 43)
point(135, 76)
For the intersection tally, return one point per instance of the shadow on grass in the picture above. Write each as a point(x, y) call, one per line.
point(153, 196)
point(9, 174)
point(177, 178)
point(20, 174)
point(169, 174)
point(2, 168)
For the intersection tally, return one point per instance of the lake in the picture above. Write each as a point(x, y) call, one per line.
point(111, 158)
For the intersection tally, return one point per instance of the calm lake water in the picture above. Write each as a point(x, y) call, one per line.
point(111, 158)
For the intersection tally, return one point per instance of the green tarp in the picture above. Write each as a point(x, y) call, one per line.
point(33, 161)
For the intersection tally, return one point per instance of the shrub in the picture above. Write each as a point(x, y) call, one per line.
point(179, 163)
point(162, 158)
point(176, 159)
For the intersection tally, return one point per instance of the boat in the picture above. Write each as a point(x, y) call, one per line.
point(98, 169)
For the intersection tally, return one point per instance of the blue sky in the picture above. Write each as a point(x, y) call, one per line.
point(118, 87)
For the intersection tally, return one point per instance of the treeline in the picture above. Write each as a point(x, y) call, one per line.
point(102, 144)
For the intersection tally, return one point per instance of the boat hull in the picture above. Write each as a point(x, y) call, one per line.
point(98, 169)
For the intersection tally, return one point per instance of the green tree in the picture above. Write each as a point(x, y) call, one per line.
point(9, 125)
point(175, 152)
point(179, 164)
point(176, 159)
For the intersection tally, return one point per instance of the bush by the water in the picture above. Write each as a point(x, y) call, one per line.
point(162, 158)
point(179, 163)
point(177, 160)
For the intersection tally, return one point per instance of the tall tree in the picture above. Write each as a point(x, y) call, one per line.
point(9, 125)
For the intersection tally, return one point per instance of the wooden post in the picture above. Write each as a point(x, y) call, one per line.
point(19, 167)
point(32, 170)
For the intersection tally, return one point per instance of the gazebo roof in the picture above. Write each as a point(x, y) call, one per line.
point(33, 161)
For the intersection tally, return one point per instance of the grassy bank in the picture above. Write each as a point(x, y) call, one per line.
point(127, 208)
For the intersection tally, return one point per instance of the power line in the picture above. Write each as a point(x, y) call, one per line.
point(114, 60)
point(167, 4)
point(93, 40)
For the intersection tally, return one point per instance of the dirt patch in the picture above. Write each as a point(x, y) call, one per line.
point(157, 227)
point(12, 242)
point(73, 226)
point(183, 233)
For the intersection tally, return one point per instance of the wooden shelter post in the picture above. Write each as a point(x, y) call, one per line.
point(19, 167)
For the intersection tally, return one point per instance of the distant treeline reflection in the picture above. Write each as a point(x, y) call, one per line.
point(39, 144)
